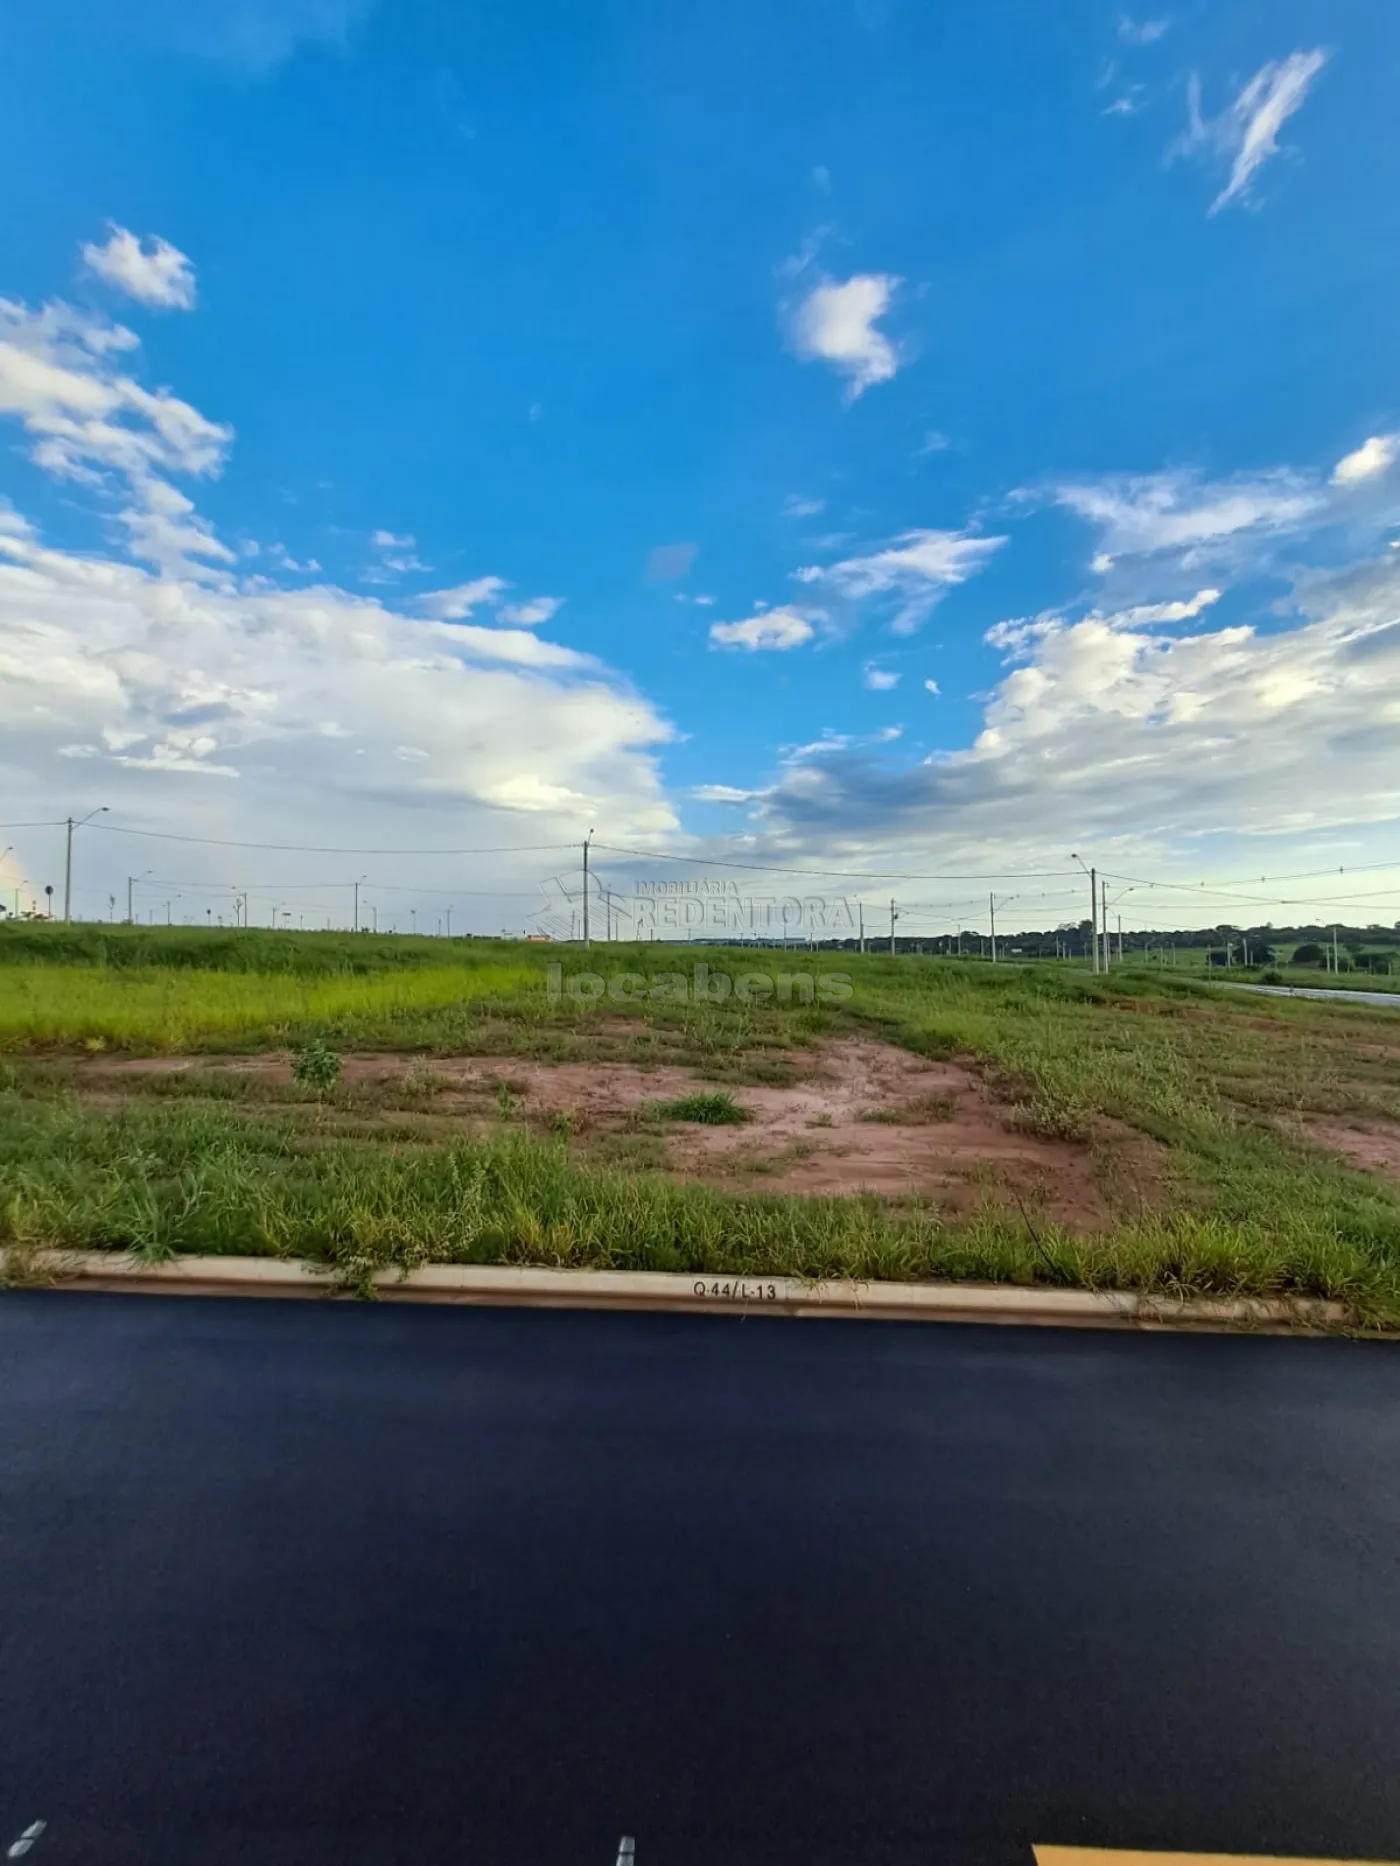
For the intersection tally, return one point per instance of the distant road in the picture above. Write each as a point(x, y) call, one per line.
point(299, 1582)
point(1389, 999)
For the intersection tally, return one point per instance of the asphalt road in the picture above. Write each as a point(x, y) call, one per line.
point(1341, 994)
point(292, 1582)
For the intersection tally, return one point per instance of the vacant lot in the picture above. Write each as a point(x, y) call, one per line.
point(942, 1119)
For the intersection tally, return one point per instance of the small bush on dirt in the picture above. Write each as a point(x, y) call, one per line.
point(717, 1110)
point(316, 1066)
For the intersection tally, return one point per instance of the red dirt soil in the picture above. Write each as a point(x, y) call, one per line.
point(939, 1133)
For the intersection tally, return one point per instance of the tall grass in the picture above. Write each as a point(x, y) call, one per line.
point(157, 1181)
point(1212, 1089)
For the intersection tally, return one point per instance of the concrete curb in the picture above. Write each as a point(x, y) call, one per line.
point(508, 1286)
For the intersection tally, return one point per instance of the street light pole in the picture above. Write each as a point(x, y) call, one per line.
point(68, 859)
point(1093, 875)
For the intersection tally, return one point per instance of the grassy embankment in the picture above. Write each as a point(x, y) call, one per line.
point(1223, 1087)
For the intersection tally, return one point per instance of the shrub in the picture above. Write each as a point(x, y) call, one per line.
point(316, 1066)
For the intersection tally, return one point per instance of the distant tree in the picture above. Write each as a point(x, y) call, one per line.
point(1310, 953)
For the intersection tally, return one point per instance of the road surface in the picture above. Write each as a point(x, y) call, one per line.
point(1389, 1000)
point(299, 1582)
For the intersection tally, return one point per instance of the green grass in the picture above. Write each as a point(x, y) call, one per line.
point(1215, 1090)
point(163, 1181)
point(717, 1110)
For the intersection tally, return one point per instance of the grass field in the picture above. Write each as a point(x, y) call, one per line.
point(1256, 1142)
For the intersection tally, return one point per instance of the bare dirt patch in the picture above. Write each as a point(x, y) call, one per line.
point(866, 1117)
point(1374, 1147)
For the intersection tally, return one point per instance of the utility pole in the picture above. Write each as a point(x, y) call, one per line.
point(130, 884)
point(587, 839)
point(1120, 939)
point(357, 906)
point(1103, 922)
point(449, 923)
point(894, 915)
point(1336, 961)
point(68, 858)
point(861, 905)
point(1094, 896)
point(992, 904)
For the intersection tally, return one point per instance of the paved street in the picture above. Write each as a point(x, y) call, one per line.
point(292, 1582)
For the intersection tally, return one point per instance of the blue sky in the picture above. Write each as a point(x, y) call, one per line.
point(618, 416)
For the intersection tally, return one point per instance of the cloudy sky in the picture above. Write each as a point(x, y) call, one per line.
point(869, 438)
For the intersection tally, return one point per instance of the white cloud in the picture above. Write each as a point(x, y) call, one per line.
point(328, 716)
point(303, 699)
point(1147, 514)
point(397, 556)
point(914, 569)
point(451, 605)
point(1247, 131)
point(836, 324)
point(530, 614)
point(1375, 455)
point(796, 506)
point(1140, 32)
point(721, 793)
point(91, 423)
point(878, 679)
point(1151, 615)
point(775, 629)
point(1128, 104)
point(150, 270)
point(931, 686)
point(1151, 741)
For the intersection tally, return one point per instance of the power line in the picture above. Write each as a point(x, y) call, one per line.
point(823, 874)
point(307, 848)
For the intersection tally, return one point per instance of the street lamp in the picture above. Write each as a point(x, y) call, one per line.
point(1093, 875)
point(1107, 903)
point(1007, 899)
point(131, 882)
point(68, 862)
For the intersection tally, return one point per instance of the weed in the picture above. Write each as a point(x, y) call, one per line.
point(316, 1066)
point(716, 1110)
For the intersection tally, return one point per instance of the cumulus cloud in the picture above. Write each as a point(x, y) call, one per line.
point(91, 422)
point(879, 679)
point(1153, 739)
point(836, 324)
point(151, 270)
point(771, 629)
point(1246, 132)
point(302, 700)
point(931, 686)
point(796, 506)
point(913, 571)
point(163, 679)
point(1375, 455)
